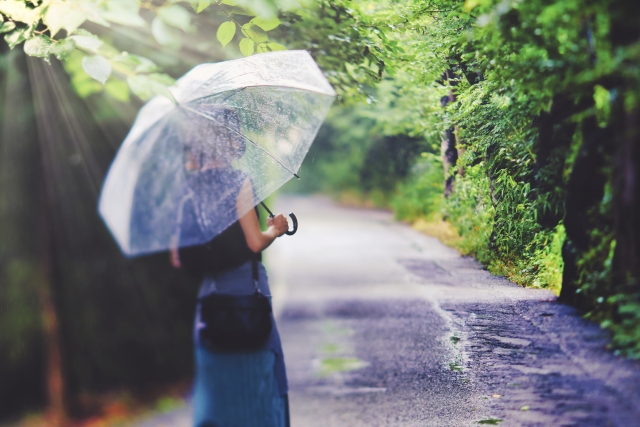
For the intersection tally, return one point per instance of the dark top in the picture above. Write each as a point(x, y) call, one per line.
point(227, 250)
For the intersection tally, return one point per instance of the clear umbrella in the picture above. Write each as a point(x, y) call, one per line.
point(181, 169)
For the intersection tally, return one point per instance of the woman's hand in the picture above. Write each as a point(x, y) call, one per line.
point(257, 240)
point(279, 224)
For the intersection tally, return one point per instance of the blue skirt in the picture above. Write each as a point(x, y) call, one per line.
point(239, 389)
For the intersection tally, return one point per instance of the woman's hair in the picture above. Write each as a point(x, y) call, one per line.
point(214, 136)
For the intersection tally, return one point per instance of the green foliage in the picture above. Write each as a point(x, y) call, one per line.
point(52, 27)
point(352, 156)
point(626, 333)
point(547, 263)
point(506, 64)
point(470, 209)
point(337, 156)
point(501, 64)
point(421, 194)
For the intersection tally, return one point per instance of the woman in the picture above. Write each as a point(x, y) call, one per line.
point(231, 389)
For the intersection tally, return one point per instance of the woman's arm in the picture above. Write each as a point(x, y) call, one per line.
point(258, 240)
point(174, 254)
point(175, 237)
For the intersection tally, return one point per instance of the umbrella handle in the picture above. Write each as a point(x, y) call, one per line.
point(291, 215)
point(295, 225)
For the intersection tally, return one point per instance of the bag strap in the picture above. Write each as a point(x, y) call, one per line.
point(254, 269)
point(254, 260)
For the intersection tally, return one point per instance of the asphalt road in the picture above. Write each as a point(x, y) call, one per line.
point(384, 326)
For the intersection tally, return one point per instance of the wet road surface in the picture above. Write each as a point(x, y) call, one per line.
point(384, 326)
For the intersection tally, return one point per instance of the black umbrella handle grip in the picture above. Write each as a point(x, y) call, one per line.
point(291, 215)
point(295, 225)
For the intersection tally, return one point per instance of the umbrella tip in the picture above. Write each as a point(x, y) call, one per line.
point(296, 175)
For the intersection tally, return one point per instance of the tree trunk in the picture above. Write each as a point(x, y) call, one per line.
point(449, 159)
point(448, 148)
point(626, 205)
point(56, 411)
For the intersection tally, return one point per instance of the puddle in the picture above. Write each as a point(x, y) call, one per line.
point(531, 370)
point(335, 365)
point(337, 354)
point(491, 421)
point(511, 341)
point(330, 348)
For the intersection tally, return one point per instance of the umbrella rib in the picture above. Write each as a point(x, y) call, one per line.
point(262, 86)
point(218, 83)
point(243, 136)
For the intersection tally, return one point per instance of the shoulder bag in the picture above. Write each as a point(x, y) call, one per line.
point(236, 323)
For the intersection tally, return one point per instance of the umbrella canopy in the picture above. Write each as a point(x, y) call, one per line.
point(182, 165)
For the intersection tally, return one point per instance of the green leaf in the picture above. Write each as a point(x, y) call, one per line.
point(225, 33)
point(164, 34)
point(202, 5)
point(98, 67)
point(85, 40)
point(139, 64)
point(247, 46)
point(124, 12)
point(602, 100)
point(144, 87)
point(14, 38)
point(125, 6)
point(237, 10)
point(124, 18)
point(63, 48)
point(117, 89)
point(175, 16)
point(164, 79)
point(38, 46)
point(276, 46)
point(94, 14)
point(469, 5)
point(5, 27)
point(63, 15)
point(254, 33)
point(145, 65)
point(265, 8)
point(18, 11)
point(266, 24)
point(262, 48)
point(83, 32)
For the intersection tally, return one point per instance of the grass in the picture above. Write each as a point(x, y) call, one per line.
point(440, 229)
point(550, 260)
point(355, 199)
